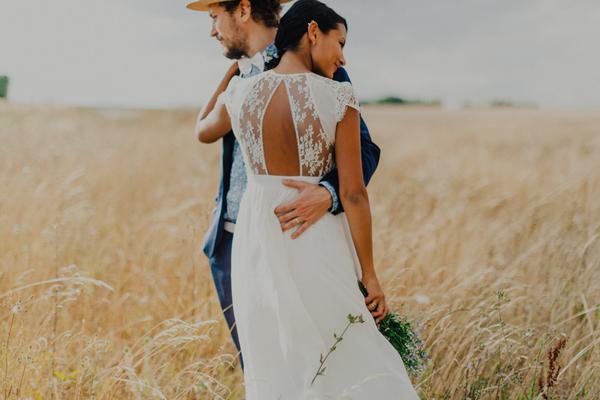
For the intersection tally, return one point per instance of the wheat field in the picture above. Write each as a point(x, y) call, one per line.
point(486, 232)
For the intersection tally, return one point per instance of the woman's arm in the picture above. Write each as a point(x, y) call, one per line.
point(370, 153)
point(214, 126)
point(213, 120)
point(355, 200)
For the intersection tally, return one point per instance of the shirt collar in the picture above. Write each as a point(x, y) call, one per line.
point(256, 64)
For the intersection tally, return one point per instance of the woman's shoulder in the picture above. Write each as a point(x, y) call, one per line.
point(241, 84)
point(333, 95)
point(337, 87)
point(343, 90)
point(237, 86)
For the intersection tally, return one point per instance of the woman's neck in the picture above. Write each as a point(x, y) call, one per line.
point(294, 62)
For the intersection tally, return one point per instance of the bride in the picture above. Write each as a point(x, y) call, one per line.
point(295, 298)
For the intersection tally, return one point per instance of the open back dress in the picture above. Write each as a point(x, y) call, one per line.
point(290, 296)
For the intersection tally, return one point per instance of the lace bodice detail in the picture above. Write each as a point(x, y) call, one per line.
point(281, 119)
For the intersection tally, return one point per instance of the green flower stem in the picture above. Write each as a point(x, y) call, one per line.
point(352, 319)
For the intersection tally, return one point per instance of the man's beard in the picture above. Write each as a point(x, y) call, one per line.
point(238, 47)
point(234, 53)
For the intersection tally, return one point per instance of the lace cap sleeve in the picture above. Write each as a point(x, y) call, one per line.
point(226, 96)
point(346, 97)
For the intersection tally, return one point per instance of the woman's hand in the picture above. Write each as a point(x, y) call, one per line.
point(375, 300)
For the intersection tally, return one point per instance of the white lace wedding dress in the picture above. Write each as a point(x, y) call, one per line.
point(291, 296)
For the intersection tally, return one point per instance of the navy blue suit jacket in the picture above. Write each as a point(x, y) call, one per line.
point(370, 154)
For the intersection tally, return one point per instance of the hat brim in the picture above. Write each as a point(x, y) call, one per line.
point(203, 5)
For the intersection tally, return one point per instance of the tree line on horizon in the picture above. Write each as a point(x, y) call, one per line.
point(387, 100)
point(3, 86)
point(401, 101)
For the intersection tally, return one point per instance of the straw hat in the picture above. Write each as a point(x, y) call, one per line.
point(202, 5)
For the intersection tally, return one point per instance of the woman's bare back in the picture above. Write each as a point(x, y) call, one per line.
point(286, 123)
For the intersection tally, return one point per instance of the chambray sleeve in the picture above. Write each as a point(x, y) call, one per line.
point(335, 202)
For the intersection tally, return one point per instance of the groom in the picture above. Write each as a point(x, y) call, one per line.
point(246, 29)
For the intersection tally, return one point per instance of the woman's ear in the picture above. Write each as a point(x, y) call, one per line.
point(313, 32)
point(245, 9)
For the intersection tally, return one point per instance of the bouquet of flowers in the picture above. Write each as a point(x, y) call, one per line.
point(400, 333)
point(397, 330)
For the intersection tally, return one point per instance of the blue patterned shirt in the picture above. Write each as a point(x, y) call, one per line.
point(238, 179)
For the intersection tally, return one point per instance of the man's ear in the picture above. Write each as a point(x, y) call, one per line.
point(245, 10)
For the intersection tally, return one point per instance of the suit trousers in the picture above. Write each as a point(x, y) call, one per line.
point(220, 267)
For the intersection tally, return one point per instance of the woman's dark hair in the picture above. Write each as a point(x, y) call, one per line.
point(294, 24)
point(265, 11)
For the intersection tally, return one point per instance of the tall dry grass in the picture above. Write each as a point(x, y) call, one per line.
point(486, 224)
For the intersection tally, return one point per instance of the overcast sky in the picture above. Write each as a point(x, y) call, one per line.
point(155, 53)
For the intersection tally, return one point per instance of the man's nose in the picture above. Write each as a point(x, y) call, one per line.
point(213, 31)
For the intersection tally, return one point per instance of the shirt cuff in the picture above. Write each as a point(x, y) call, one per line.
point(334, 197)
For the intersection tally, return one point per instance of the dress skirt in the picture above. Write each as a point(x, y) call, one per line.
point(291, 296)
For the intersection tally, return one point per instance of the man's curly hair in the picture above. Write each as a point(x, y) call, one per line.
point(265, 11)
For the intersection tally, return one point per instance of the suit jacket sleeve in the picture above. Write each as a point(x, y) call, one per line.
point(370, 154)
